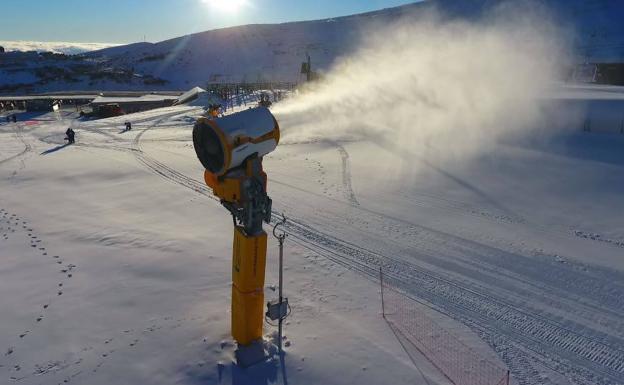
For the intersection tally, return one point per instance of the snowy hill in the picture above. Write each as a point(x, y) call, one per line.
point(274, 52)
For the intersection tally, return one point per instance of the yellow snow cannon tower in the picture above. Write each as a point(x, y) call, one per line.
point(231, 150)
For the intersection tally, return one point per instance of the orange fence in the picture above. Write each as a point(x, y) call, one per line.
point(460, 364)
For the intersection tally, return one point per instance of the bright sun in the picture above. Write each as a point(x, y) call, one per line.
point(229, 6)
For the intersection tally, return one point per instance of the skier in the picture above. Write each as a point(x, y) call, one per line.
point(70, 136)
point(128, 126)
point(14, 118)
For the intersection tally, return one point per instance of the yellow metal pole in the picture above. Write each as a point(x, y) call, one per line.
point(248, 273)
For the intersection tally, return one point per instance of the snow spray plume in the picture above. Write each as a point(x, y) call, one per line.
point(437, 88)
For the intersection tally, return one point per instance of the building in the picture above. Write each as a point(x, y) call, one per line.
point(190, 95)
point(44, 102)
point(33, 105)
point(132, 104)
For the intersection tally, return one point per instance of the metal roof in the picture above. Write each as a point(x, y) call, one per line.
point(140, 99)
point(47, 97)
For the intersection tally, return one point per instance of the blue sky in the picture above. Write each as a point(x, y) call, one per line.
point(126, 21)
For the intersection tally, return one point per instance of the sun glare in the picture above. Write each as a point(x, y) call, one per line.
point(229, 6)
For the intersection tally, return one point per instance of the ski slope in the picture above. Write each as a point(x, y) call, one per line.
point(274, 52)
point(117, 257)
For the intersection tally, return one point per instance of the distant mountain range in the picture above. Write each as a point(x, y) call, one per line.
point(67, 48)
point(274, 52)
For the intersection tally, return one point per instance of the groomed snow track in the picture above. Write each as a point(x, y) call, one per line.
point(522, 338)
point(27, 147)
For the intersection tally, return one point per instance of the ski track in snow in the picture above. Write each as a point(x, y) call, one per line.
point(27, 147)
point(467, 287)
point(346, 175)
point(20, 157)
point(524, 338)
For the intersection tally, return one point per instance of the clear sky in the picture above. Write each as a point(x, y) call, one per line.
point(127, 21)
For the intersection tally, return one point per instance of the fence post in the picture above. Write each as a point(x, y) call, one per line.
point(383, 308)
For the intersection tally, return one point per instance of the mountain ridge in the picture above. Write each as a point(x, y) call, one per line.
point(274, 52)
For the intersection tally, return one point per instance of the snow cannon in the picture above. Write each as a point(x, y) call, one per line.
point(231, 150)
point(225, 143)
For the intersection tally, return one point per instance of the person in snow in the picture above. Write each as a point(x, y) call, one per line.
point(128, 126)
point(213, 110)
point(70, 136)
point(14, 118)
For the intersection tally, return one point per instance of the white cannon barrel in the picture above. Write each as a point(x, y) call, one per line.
point(224, 143)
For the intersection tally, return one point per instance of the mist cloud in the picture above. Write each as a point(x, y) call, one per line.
point(434, 86)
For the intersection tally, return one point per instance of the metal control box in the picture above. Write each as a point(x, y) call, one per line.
point(277, 310)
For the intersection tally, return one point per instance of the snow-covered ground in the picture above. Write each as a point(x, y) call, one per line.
point(116, 270)
point(115, 260)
